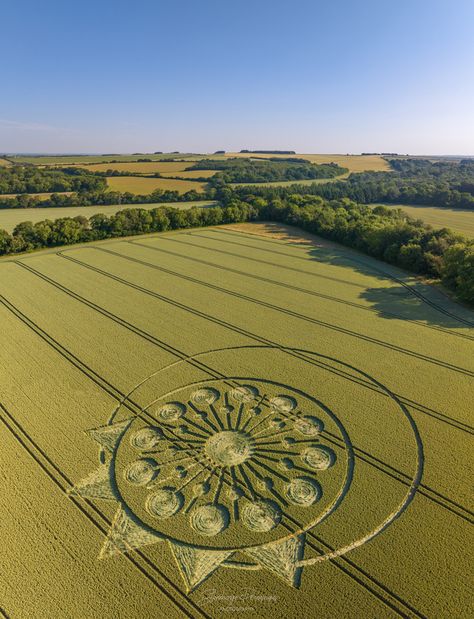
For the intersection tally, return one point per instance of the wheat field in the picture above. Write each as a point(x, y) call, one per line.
point(178, 408)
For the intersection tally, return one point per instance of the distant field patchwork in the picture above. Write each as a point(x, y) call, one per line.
point(145, 167)
point(71, 159)
point(355, 163)
point(185, 405)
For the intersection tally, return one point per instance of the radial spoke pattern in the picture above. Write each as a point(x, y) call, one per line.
point(229, 457)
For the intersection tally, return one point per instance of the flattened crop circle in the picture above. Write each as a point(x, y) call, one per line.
point(231, 466)
point(319, 459)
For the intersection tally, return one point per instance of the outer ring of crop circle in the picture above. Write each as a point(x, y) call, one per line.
point(416, 479)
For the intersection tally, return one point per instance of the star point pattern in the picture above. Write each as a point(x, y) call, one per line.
point(215, 472)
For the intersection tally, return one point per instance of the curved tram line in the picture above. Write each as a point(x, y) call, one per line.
point(289, 286)
point(139, 560)
point(357, 335)
point(344, 564)
point(247, 333)
point(421, 296)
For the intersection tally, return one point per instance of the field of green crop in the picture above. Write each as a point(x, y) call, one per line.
point(233, 421)
point(459, 220)
point(144, 185)
point(9, 218)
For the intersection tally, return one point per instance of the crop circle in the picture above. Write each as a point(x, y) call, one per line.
point(314, 483)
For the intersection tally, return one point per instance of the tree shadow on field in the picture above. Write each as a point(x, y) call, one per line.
point(409, 298)
point(401, 295)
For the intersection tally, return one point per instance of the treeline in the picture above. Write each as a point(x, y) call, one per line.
point(30, 179)
point(384, 233)
point(446, 170)
point(243, 170)
point(381, 232)
point(28, 236)
point(101, 197)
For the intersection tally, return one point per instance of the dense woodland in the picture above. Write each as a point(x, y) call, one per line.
point(413, 181)
point(30, 179)
point(244, 170)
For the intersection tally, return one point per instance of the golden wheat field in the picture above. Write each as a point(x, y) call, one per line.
point(232, 420)
point(144, 186)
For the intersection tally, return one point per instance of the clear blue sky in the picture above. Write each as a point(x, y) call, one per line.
point(201, 75)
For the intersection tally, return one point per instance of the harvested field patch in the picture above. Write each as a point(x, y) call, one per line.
point(318, 181)
point(191, 173)
point(48, 194)
point(144, 186)
point(145, 167)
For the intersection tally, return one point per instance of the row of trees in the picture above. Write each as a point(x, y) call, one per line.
point(384, 233)
point(31, 179)
point(28, 236)
point(101, 197)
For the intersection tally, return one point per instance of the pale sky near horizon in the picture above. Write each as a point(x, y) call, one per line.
point(350, 76)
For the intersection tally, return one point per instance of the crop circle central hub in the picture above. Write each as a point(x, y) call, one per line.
point(229, 447)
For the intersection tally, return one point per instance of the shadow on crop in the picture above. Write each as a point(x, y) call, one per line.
point(407, 298)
